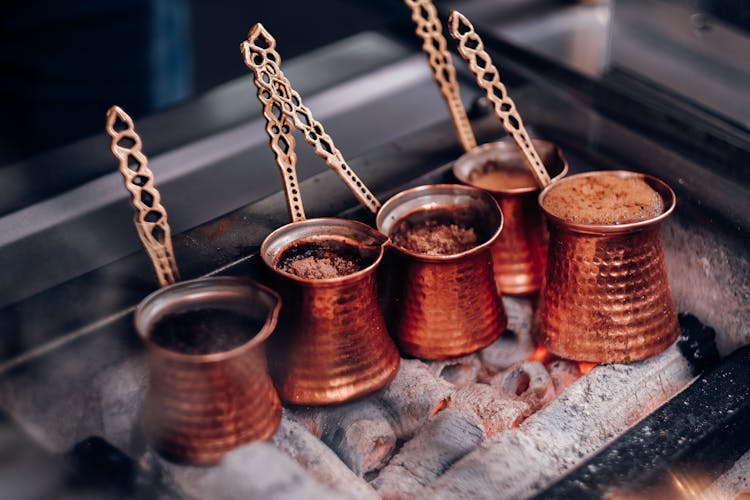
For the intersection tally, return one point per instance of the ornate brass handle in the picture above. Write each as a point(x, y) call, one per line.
point(471, 48)
point(261, 57)
point(150, 217)
point(424, 14)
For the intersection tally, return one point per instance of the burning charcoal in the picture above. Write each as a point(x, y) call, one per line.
point(458, 371)
point(563, 373)
point(413, 397)
point(318, 460)
point(515, 344)
point(364, 433)
point(734, 483)
point(528, 381)
point(520, 462)
point(445, 438)
point(255, 470)
point(361, 435)
point(495, 412)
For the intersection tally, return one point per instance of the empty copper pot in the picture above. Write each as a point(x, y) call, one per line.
point(520, 253)
point(333, 344)
point(445, 305)
point(200, 406)
point(606, 298)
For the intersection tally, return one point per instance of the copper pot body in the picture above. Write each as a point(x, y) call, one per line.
point(606, 298)
point(199, 407)
point(333, 344)
point(444, 305)
point(519, 255)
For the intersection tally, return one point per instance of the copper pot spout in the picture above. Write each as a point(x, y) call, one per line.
point(606, 298)
point(445, 305)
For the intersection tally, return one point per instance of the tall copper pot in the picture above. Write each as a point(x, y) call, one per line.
point(520, 253)
point(199, 407)
point(333, 344)
point(444, 305)
point(606, 298)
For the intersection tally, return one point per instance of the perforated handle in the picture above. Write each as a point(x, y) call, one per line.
point(425, 16)
point(471, 48)
point(261, 57)
point(150, 216)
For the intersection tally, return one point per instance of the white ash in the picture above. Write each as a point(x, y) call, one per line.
point(733, 482)
point(318, 460)
point(709, 280)
point(528, 381)
point(563, 373)
point(515, 344)
point(460, 371)
point(78, 394)
point(445, 438)
point(586, 417)
point(255, 470)
point(495, 413)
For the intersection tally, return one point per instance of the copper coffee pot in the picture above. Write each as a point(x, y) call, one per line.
point(198, 406)
point(606, 298)
point(333, 345)
point(520, 251)
point(520, 254)
point(445, 305)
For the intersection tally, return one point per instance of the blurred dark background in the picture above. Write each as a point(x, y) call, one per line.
point(64, 63)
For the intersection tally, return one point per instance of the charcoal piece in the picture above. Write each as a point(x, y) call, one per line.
point(318, 460)
point(96, 464)
point(255, 470)
point(496, 412)
point(413, 397)
point(697, 342)
point(520, 313)
point(458, 371)
point(361, 435)
point(364, 433)
point(515, 344)
point(563, 373)
point(520, 462)
point(445, 438)
point(528, 381)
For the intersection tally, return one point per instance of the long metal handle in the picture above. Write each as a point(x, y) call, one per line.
point(261, 57)
point(150, 217)
point(471, 48)
point(425, 16)
point(279, 130)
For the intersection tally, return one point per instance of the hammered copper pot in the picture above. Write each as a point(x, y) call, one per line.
point(520, 253)
point(444, 305)
point(333, 344)
point(606, 298)
point(200, 406)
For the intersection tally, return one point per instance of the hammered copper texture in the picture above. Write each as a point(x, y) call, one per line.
point(446, 309)
point(519, 255)
point(197, 412)
point(333, 344)
point(606, 298)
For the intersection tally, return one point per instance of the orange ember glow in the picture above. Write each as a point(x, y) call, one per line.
point(585, 367)
point(540, 354)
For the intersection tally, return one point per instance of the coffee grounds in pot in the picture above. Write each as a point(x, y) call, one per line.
point(320, 261)
point(204, 331)
point(435, 238)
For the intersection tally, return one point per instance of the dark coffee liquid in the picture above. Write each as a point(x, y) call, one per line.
point(204, 331)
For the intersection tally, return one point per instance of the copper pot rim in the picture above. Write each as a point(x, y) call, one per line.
point(385, 241)
point(443, 258)
point(506, 144)
point(233, 281)
point(662, 188)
